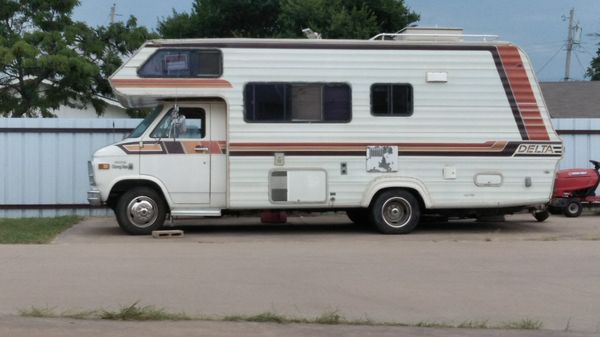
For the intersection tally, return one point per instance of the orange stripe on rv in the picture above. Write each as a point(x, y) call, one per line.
point(171, 83)
point(523, 93)
point(492, 146)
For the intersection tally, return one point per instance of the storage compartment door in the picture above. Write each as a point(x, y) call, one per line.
point(298, 186)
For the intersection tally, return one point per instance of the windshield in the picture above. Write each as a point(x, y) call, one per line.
point(139, 130)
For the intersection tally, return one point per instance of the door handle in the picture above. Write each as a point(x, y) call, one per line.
point(199, 148)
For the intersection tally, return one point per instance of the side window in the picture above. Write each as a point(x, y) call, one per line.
point(297, 102)
point(265, 102)
point(195, 122)
point(391, 99)
point(183, 63)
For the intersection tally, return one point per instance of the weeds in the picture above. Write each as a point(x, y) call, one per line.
point(524, 324)
point(137, 312)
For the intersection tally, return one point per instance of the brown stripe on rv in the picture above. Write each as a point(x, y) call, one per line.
point(490, 148)
point(171, 83)
point(177, 147)
point(523, 93)
point(509, 94)
point(150, 148)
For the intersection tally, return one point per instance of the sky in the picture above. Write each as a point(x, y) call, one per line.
point(537, 26)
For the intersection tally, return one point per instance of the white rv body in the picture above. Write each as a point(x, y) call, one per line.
point(479, 136)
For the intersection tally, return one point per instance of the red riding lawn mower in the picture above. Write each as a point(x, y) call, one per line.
point(575, 189)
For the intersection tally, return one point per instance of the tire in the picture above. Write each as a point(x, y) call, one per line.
point(359, 216)
point(395, 212)
point(554, 210)
point(573, 209)
point(140, 211)
point(541, 216)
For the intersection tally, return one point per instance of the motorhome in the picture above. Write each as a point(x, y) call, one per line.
point(387, 130)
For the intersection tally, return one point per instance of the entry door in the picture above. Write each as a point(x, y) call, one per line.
point(183, 162)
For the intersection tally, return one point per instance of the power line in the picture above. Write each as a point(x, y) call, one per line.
point(580, 64)
point(550, 60)
point(585, 51)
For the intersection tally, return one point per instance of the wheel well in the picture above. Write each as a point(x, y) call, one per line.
point(125, 185)
point(412, 191)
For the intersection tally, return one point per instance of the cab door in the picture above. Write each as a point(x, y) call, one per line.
point(181, 160)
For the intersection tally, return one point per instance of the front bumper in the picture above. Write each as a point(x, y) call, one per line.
point(94, 198)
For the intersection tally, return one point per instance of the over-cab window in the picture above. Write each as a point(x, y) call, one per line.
point(194, 120)
point(183, 63)
point(297, 102)
point(391, 99)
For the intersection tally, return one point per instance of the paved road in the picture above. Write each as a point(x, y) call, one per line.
point(28, 327)
point(464, 271)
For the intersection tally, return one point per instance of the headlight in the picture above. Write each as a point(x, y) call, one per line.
point(91, 174)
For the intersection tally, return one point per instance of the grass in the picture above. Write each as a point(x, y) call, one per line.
point(137, 312)
point(133, 312)
point(524, 324)
point(34, 230)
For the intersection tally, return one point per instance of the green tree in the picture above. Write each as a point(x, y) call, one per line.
point(593, 71)
point(352, 19)
point(224, 18)
point(108, 47)
point(48, 60)
point(357, 19)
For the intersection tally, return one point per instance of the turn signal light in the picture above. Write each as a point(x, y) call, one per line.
point(103, 166)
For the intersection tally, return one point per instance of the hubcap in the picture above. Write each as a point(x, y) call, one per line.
point(142, 211)
point(396, 212)
point(573, 208)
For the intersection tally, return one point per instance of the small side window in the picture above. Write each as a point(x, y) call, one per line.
point(391, 99)
point(183, 63)
point(194, 124)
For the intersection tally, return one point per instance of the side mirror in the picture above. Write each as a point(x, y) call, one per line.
point(178, 126)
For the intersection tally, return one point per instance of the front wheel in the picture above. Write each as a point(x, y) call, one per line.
point(140, 211)
point(395, 212)
point(573, 209)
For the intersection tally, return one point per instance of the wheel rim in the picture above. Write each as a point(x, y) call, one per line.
point(142, 211)
point(396, 212)
point(573, 208)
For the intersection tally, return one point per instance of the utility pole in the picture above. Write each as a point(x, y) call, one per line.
point(113, 13)
point(573, 29)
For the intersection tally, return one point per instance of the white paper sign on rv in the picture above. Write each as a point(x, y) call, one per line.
point(384, 130)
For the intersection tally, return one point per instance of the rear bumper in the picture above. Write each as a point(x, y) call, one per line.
point(94, 198)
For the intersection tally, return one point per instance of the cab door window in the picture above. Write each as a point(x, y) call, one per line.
point(194, 120)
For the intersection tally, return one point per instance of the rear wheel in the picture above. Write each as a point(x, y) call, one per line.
point(395, 212)
point(359, 216)
point(573, 209)
point(140, 211)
